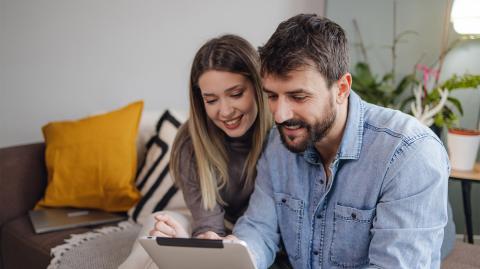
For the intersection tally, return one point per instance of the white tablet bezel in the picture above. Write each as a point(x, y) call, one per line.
point(187, 253)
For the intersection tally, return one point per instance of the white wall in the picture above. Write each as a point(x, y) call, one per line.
point(64, 59)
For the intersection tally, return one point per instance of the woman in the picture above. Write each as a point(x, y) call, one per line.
point(214, 154)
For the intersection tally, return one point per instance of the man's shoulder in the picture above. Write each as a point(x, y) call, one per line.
point(390, 122)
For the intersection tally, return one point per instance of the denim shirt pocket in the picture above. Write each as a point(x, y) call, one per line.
point(351, 236)
point(290, 216)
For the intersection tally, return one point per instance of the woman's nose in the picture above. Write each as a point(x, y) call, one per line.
point(226, 110)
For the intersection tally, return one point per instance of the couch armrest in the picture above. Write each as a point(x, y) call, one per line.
point(23, 179)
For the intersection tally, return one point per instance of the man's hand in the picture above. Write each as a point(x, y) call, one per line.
point(231, 237)
point(209, 235)
point(166, 226)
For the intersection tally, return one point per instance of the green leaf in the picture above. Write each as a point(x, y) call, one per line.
point(387, 77)
point(438, 121)
point(456, 103)
point(461, 82)
point(405, 102)
point(363, 74)
point(406, 82)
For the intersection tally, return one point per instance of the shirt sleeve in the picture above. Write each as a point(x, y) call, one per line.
point(203, 220)
point(258, 227)
point(412, 210)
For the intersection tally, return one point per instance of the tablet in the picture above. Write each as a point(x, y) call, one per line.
point(188, 253)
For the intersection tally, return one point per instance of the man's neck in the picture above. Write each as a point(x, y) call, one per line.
point(328, 146)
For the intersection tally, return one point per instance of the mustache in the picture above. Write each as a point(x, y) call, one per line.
point(292, 122)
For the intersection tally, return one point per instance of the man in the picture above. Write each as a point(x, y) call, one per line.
point(342, 183)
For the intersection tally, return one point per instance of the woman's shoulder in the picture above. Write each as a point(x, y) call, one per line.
point(182, 159)
point(182, 143)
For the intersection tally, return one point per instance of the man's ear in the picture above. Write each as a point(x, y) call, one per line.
point(344, 84)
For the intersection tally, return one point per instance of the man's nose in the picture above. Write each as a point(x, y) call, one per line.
point(282, 111)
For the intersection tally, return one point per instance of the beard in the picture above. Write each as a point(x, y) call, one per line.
point(315, 132)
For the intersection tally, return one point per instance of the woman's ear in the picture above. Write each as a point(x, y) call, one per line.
point(344, 85)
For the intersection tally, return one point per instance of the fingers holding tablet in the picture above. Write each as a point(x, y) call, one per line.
point(209, 235)
point(166, 226)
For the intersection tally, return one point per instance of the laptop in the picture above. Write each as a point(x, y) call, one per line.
point(55, 219)
point(171, 253)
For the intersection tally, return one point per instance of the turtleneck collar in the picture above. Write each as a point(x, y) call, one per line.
point(245, 139)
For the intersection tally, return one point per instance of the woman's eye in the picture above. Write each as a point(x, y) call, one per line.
point(238, 94)
point(272, 96)
point(211, 101)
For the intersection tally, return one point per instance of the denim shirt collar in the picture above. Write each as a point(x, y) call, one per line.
point(352, 136)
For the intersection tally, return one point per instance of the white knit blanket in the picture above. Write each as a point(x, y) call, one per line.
point(103, 248)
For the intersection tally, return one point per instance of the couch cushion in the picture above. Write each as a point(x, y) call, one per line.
point(154, 180)
point(22, 248)
point(91, 162)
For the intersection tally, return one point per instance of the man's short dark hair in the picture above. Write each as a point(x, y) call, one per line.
point(306, 40)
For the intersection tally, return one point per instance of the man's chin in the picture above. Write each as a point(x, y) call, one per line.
point(294, 144)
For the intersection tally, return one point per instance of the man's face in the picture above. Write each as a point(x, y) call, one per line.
point(302, 106)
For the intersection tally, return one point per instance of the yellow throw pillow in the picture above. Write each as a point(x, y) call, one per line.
point(92, 162)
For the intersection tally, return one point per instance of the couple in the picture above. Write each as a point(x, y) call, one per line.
point(340, 183)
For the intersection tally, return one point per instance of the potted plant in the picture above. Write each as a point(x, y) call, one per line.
point(463, 145)
point(381, 91)
point(429, 101)
point(436, 106)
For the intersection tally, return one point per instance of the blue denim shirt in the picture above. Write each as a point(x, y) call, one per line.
point(385, 205)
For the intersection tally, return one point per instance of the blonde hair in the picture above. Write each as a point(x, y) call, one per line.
point(232, 54)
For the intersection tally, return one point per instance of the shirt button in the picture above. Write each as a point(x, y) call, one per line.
point(319, 216)
point(321, 181)
point(354, 216)
point(315, 252)
point(284, 200)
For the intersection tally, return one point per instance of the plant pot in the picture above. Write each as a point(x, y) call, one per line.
point(462, 147)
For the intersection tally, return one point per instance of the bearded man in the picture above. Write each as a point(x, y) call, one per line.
point(342, 183)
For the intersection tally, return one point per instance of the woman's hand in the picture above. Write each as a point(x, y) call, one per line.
point(209, 235)
point(166, 226)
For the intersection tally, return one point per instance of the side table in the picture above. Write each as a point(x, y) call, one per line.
point(467, 178)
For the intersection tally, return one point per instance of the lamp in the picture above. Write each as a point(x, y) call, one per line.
point(466, 17)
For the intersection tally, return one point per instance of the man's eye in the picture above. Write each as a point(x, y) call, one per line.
point(299, 97)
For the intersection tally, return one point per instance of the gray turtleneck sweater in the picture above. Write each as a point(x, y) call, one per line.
point(234, 193)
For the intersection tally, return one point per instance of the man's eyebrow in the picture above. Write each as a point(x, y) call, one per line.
point(295, 91)
point(228, 90)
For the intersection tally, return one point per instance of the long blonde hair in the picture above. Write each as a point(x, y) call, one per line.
point(232, 54)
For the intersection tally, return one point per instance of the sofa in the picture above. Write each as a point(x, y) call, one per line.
point(23, 178)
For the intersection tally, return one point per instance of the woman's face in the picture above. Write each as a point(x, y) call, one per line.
point(229, 101)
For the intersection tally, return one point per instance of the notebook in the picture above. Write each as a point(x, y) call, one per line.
point(54, 219)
